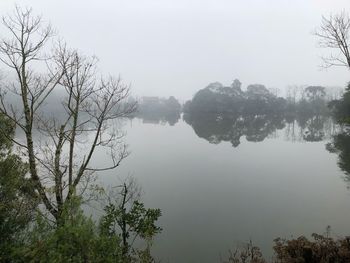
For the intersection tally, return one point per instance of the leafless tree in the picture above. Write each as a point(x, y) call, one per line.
point(334, 33)
point(292, 94)
point(61, 161)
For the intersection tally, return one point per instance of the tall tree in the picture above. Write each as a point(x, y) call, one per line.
point(59, 163)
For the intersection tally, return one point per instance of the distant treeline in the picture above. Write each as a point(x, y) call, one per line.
point(232, 100)
point(219, 100)
point(258, 100)
point(159, 110)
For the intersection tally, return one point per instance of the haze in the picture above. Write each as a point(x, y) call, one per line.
point(175, 48)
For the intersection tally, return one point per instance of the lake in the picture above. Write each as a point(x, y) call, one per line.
point(218, 190)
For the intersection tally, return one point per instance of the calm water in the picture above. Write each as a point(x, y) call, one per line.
point(216, 193)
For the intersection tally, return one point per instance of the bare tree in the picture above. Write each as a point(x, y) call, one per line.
point(292, 94)
point(334, 33)
point(61, 161)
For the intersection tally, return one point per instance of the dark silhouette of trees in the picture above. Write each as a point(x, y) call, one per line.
point(257, 100)
point(216, 98)
point(158, 110)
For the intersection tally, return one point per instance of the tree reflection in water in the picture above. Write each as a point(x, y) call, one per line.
point(340, 145)
point(216, 128)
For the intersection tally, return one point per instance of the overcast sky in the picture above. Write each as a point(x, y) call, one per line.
point(176, 47)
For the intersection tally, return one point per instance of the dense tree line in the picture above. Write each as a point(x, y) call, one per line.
point(256, 100)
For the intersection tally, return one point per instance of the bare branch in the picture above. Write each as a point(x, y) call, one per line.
point(334, 33)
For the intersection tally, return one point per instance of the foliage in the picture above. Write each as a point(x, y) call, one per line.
point(140, 220)
point(129, 220)
point(17, 203)
point(17, 199)
point(341, 108)
point(318, 249)
point(7, 129)
point(77, 240)
point(321, 249)
point(247, 254)
point(80, 239)
point(256, 100)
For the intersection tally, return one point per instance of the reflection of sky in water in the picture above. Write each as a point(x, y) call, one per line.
point(214, 196)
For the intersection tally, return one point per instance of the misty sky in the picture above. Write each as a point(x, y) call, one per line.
point(176, 47)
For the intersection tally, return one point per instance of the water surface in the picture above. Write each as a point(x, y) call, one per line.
point(215, 195)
